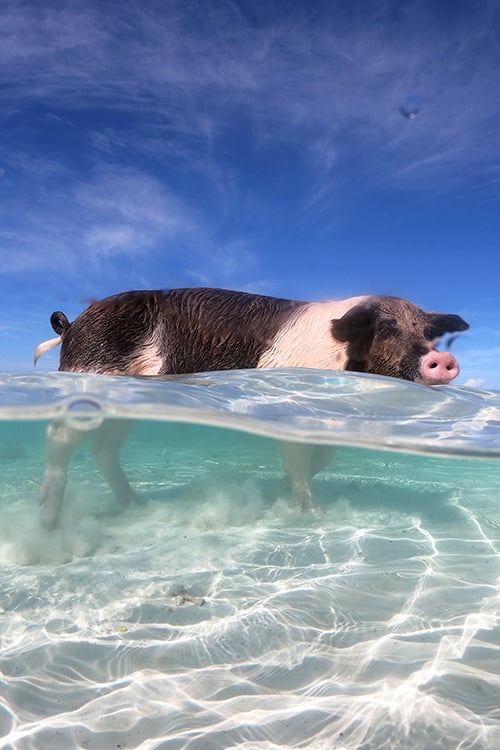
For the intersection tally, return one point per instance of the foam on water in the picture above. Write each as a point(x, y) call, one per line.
point(215, 615)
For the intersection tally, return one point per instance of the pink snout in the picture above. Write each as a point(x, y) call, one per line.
point(438, 368)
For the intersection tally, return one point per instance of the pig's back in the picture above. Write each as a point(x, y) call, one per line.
point(174, 331)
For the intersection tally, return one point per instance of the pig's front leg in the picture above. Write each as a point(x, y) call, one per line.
point(107, 442)
point(320, 458)
point(302, 461)
point(62, 442)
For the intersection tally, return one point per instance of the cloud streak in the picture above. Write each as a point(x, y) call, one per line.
point(114, 212)
point(334, 77)
point(128, 212)
point(147, 130)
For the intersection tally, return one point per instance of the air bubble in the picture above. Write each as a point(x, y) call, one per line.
point(84, 414)
point(410, 107)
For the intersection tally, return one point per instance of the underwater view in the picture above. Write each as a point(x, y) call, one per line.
point(213, 613)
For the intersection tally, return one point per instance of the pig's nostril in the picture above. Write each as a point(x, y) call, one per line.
point(433, 365)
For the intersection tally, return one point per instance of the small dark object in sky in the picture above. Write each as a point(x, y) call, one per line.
point(410, 107)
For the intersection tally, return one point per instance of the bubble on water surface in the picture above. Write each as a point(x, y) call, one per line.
point(84, 414)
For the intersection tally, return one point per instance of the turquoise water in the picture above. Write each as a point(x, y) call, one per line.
point(215, 615)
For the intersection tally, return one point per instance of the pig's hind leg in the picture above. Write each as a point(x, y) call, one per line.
point(62, 441)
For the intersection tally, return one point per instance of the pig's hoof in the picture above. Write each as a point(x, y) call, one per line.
point(138, 499)
point(128, 497)
point(48, 518)
point(305, 504)
point(50, 505)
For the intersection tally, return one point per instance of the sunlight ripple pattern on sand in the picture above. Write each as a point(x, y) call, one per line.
point(216, 616)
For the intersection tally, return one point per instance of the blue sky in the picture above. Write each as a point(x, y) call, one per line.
point(254, 145)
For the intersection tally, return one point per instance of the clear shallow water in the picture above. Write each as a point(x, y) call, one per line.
point(215, 615)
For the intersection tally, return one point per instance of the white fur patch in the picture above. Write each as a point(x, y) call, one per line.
point(146, 362)
point(307, 339)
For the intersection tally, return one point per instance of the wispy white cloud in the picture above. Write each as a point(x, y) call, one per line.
point(128, 212)
point(328, 73)
point(78, 234)
point(475, 382)
point(178, 89)
point(80, 224)
point(480, 363)
point(141, 136)
point(230, 264)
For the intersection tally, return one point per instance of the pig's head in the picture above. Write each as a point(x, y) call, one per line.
point(392, 336)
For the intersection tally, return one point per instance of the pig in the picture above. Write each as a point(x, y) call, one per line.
point(180, 331)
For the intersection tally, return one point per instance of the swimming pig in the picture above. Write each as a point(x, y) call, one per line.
point(196, 330)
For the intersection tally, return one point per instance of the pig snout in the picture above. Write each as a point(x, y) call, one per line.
point(438, 368)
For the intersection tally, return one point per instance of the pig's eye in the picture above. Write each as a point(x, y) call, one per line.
point(386, 329)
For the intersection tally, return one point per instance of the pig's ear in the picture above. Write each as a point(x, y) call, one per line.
point(357, 327)
point(439, 323)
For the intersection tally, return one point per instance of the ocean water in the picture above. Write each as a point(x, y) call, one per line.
point(214, 614)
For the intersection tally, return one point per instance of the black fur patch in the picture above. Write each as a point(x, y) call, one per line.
point(192, 330)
